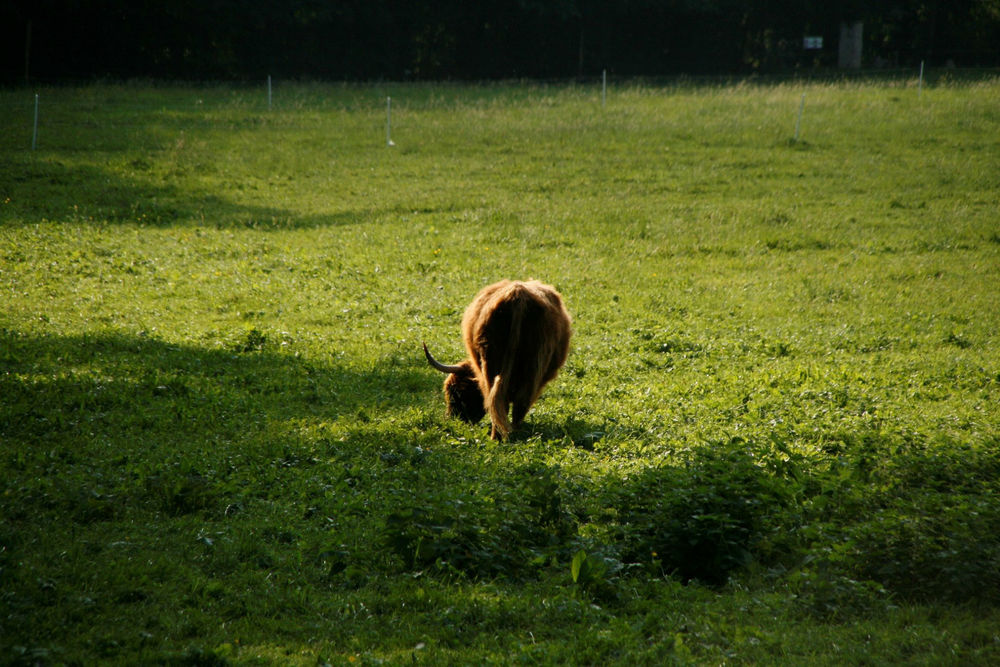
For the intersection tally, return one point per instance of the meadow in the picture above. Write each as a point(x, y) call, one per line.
point(776, 440)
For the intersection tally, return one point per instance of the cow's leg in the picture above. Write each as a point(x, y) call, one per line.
point(498, 417)
point(518, 412)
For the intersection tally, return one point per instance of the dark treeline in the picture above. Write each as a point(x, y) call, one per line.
point(486, 39)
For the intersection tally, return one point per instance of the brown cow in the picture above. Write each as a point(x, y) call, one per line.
point(517, 337)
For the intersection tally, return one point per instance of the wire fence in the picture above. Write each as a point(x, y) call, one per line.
point(27, 114)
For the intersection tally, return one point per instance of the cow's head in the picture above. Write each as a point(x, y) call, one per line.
point(462, 396)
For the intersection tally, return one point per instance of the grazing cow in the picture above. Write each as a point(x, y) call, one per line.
point(517, 337)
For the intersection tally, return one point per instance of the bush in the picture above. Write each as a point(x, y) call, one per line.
point(938, 547)
point(924, 522)
point(703, 520)
point(501, 533)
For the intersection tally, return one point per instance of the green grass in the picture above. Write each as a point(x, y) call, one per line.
point(777, 439)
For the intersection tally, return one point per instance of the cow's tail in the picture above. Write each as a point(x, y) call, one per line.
point(497, 401)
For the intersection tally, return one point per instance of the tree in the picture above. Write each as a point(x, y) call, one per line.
point(401, 39)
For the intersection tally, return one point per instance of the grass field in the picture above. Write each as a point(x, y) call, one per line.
point(776, 440)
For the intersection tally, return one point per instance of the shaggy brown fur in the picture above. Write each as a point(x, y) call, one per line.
point(517, 337)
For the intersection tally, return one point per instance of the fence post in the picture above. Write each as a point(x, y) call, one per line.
point(34, 130)
point(798, 121)
point(388, 122)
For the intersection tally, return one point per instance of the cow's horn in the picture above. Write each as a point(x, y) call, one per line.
point(444, 368)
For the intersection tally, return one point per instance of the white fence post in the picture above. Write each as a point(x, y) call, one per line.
point(388, 122)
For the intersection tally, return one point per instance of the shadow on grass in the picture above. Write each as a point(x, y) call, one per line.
point(49, 189)
point(127, 388)
point(578, 431)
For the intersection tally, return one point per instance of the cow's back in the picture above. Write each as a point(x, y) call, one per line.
point(520, 326)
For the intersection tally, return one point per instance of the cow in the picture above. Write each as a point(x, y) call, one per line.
point(516, 336)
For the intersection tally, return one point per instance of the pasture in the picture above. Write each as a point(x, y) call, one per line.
point(776, 440)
